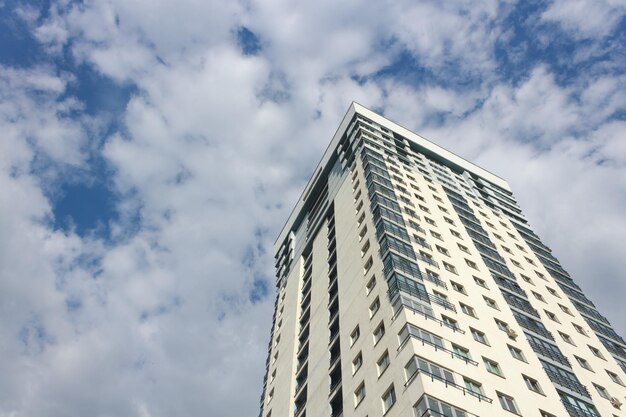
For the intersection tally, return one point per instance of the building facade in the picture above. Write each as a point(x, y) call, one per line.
point(410, 284)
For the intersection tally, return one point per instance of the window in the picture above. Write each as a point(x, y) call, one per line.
point(430, 221)
point(374, 307)
point(530, 261)
point(614, 377)
point(507, 402)
point(596, 352)
point(602, 391)
point(270, 395)
point(458, 287)
point(461, 351)
point(389, 398)
point(527, 279)
point(450, 321)
point(440, 295)
point(551, 316)
point(361, 219)
point(436, 235)
point(492, 367)
point(450, 268)
point(507, 250)
point(540, 275)
point(567, 338)
point(553, 292)
point(579, 329)
point(365, 248)
point(443, 250)
point(362, 232)
point(273, 376)
point(479, 336)
point(583, 363)
point(354, 336)
point(370, 285)
point(358, 208)
point(368, 265)
point(517, 353)
point(437, 408)
point(471, 264)
point(357, 362)
point(502, 325)
point(359, 394)
point(480, 282)
point(383, 363)
point(275, 357)
point(517, 264)
point(538, 296)
point(379, 332)
point(565, 310)
point(424, 209)
point(545, 414)
point(437, 198)
point(468, 310)
point(463, 248)
point(443, 209)
point(455, 234)
point(449, 221)
point(490, 302)
point(473, 386)
point(532, 384)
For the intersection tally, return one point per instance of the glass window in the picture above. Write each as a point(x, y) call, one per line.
point(567, 338)
point(473, 386)
point(354, 336)
point(389, 398)
point(468, 310)
point(374, 307)
point(602, 391)
point(517, 353)
point(357, 362)
point(614, 377)
point(383, 363)
point(480, 282)
point(507, 402)
point(492, 366)
point(479, 336)
point(458, 287)
point(379, 332)
point(583, 363)
point(359, 394)
point(461, 351)
point(491, 303)
point(532, 384)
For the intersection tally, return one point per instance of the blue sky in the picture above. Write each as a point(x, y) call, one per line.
point(151, 152)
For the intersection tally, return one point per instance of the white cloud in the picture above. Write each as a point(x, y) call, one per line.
point(160, 320)
point(586, 18)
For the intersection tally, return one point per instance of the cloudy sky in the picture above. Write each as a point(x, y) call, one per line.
point(151, 151)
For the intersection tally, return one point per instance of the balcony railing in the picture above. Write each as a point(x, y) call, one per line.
point(410, 305)
point(461, 388)
point(411, 334)
point(575, 411)
point(398, 286)
point(566, 382)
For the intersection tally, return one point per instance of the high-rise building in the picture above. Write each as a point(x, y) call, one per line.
point(410, 284)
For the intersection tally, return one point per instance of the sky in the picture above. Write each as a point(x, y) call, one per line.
point(151, 151)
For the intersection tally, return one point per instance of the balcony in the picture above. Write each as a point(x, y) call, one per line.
point(418, 309)
point(461, 388)
point(413, 335)
point(575, 411)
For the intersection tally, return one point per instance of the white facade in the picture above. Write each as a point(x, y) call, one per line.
point(409, 284)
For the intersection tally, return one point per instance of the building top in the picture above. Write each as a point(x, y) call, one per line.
point(425, 146)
